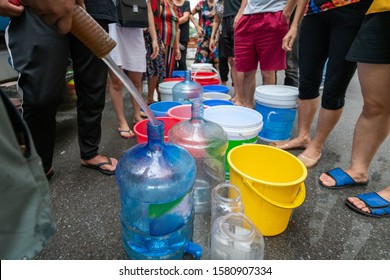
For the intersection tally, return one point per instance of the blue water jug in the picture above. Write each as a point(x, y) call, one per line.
point(156, 181)
point(187, 90)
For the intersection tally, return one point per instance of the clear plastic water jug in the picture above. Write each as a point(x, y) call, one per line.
point(225, 199)
point(234, 237)
point(207, 142)
point(156, 181)
point(187, 90)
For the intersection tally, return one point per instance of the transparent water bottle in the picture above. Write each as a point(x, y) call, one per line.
point(156, 181)
point(234, 237)
point(207, 142)
point(225, 199)
point(187, 90)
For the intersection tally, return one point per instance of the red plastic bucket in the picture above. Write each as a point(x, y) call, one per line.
point(181, 112)
point(140, 128)
point(178, 79)
point(214, 81)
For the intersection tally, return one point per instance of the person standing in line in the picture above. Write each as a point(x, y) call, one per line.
point(41, 55)
point(226, 44)
point(260, 26)
point(170, 34)
point(205, 10)
point(130, 55)
point(183, 11)
point(327, 31)
point(371, 51)
point(155, 68)
point(26, 218)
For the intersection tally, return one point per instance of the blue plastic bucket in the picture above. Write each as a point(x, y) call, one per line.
point(160, 109)
point(216, 88)
point(178, 74)
point(217, 102)
point(278, 106)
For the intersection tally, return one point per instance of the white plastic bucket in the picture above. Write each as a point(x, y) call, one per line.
point(165, 89)
point(278, 106)
point(241, 124)
point(216, 95)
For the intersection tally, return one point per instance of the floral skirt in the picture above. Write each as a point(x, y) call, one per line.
point(154, 67)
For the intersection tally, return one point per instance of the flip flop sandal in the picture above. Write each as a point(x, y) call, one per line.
point(129, 131)
point(379, 207)
point(343, 180)
point(99, 165)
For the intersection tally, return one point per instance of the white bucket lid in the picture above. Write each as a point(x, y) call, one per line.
point(276, 103)
point(277, 92)
point(215, 95)
point(234, 117)
point(201, 66)
point(168, 85)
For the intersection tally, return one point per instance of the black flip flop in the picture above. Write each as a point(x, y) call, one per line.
point(99, 165)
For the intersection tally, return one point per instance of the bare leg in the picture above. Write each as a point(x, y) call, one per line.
point(307, 109)
point(327, 120)
point(249, 87)
point(269, 77)
point(152, 85)
point(117, 101)
point(373, 125)
point(136, 78)
point(237, 78)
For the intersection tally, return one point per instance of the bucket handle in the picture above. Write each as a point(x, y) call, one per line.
point(212, 68)
point(298, 200)
point(247, 140)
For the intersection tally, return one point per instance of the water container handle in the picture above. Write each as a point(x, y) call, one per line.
point(212, 68)
point(297, 201)
point(270, 114)
point(193, 249)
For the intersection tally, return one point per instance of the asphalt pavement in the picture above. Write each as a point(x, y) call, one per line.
point(86, 203)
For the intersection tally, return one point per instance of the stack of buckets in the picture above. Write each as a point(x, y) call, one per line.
point(278, 106)
point(241, 124)
point(271, 181)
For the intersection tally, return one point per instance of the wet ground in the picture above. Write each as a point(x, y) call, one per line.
point(86, 203)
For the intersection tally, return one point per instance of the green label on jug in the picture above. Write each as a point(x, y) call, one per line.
point(157, 210)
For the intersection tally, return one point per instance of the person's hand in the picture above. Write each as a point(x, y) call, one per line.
point(55, 12)
point(236, 19)
point(178, 53)
point(289, 39)
point(212, 44)
point(155, 49)
point(199, 30)
point(8, 9)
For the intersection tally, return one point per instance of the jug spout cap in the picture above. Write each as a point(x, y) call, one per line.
point(193, 249)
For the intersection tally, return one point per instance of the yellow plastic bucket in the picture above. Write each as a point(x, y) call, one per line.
point(271, 182)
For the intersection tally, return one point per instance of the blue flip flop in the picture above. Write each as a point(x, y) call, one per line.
point(379, 207)
point(343, 180)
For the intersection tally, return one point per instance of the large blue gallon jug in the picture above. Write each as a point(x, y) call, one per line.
point(185, 91)
point(156, 192)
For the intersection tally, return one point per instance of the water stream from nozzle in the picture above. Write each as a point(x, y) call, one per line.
point(130, 87)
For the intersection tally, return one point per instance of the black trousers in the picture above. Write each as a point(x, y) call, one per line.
point(41, 56)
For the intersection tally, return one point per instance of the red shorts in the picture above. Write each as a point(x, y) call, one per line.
point(258, 38)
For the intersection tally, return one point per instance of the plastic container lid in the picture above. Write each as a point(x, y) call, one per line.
point(217, 102)
point(216, 95)
point(276, 103)
point(242, 117)
point(198, 66)
point(277, 92)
